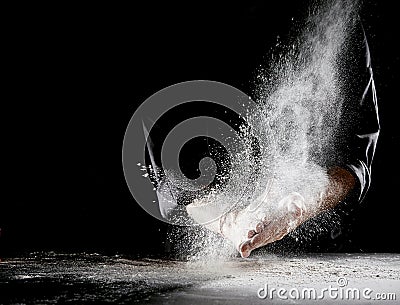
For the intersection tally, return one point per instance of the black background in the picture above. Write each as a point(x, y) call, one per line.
point(79, 72)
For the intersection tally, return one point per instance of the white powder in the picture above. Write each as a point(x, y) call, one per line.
point(300, 101)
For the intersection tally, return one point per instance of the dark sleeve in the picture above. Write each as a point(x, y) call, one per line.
point(364, 130)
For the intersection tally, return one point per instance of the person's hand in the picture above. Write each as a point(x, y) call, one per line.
point(289, 215)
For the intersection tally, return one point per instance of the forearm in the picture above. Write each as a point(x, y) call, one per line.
point(341, 182)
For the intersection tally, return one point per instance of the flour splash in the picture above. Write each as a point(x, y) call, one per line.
point(300, 101)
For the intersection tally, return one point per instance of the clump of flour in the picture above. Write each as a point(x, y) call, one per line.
point(300, 101)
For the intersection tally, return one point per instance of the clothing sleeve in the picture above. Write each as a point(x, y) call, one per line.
point(364, 133)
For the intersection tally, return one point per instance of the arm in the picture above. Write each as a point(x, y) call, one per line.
point(341, 183)
point(350, 180)
point(294, 212)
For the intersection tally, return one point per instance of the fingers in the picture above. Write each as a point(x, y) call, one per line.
point(262, 238)
point(257, 240)
point(287, 217)
point(251, 233)
point(271, 232)
point(259, 227)
point(244, 249)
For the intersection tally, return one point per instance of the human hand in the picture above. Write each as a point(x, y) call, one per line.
point(290, 213)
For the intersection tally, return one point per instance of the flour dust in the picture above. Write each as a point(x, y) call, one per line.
point(299, 104)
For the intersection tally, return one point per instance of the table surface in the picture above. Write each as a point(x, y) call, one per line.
point(49, 278)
